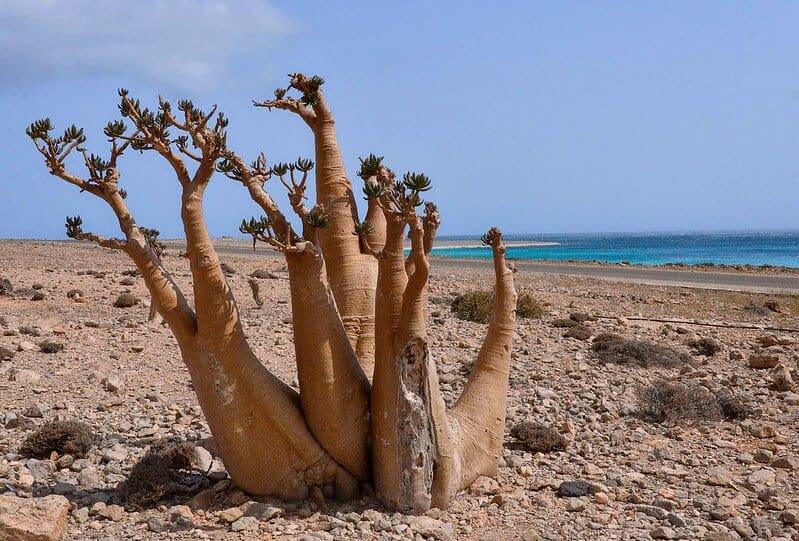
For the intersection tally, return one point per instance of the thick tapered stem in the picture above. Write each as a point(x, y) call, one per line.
point(391, 282)
point(352, 275)
point(334, 390)
point(480, 411)
point(376, 217)
point(256, 420)
point(270, 208)
point(166, 295)
point(217, 313)
point(412, 315)
point(259, 427)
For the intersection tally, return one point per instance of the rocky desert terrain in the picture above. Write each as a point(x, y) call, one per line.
point(691, 474)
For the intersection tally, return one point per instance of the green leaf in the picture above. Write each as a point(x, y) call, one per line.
point(370, 166)
point(73, 226)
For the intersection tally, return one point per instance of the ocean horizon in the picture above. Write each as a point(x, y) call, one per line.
point(775, 248)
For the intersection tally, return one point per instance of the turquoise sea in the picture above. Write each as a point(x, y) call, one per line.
point(753, 248)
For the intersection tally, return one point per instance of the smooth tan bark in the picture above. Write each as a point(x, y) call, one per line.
point(376, 217)
point(349, 309)
point(480, 410)
point(256, 420)
point(391, 283)
point(333, 388)
point(352, 274)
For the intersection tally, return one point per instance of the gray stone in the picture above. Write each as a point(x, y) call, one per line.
point(24, 376)
point(430, 527)
point(63, 488)
point(571, 489)
point(575, 504)
point(244, 524)
point(117, 453)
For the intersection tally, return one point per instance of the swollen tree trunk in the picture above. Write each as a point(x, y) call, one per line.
point(356, 302)
point(334, 389)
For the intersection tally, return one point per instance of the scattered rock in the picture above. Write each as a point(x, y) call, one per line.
point(761, 360)
point(484, 486)
point(33, 519)
point(781, 379)
point(24, 376)
point(244, 524)
point(26, 345)
point(430, 527)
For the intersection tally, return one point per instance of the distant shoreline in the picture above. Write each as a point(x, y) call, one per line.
point(460, 244)
point(772, 280)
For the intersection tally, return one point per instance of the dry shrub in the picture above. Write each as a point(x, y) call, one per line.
point(154, 476)
point(613, 348)
point(757, 309)
point(6, 353)
point(579, 332)
point(671, 402)
point(48, 346)
point(125, 300)
point(74, 294)
point(5, 287)
point(538, 438)
point(581, 317)
point(529, 307)
point(704, 346)
point(564, 323)
point(64, 437)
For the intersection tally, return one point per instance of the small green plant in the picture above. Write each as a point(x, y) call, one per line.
point(477, 305)
point(539, 438)
point(529, 307)
point(64, 437)
point(474, 306)
point(613, 348)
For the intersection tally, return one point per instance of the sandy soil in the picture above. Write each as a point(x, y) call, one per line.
point(679, 480)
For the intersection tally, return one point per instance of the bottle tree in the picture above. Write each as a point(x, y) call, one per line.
point(369, 408)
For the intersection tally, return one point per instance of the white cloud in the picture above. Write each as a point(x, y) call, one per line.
point(182, 44)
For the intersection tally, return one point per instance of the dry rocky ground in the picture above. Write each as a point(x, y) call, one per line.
point(682, 479)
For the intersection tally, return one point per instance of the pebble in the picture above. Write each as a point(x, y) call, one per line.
point(569, 489)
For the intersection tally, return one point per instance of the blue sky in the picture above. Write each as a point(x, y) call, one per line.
point(534, 116)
